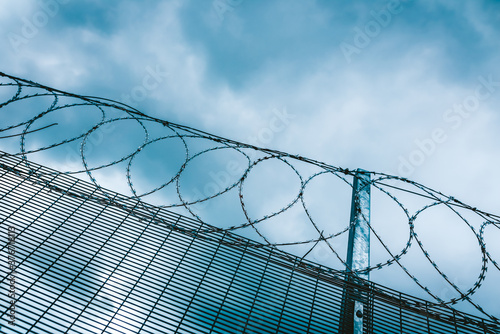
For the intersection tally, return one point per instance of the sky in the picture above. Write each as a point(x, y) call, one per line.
point(408, 88)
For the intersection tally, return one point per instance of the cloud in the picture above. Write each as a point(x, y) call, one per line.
point(228, 74)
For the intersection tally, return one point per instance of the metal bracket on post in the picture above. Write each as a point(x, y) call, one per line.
point(354, 298)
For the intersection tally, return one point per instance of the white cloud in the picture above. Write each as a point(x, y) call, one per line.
point(367, 114)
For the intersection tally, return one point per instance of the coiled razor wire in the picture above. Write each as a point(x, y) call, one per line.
point(28, 90)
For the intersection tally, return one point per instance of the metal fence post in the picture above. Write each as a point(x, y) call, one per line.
point(355, 295)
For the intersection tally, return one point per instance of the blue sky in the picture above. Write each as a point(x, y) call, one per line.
point(409, 88)
point(229, 68)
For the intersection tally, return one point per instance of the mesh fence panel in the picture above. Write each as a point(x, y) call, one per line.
point(88, 260)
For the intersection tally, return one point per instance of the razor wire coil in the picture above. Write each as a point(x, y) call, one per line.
point(183, 134)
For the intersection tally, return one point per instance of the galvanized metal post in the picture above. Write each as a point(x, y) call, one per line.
point(358, 257)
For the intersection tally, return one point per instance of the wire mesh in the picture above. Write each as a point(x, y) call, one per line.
point(90, 260)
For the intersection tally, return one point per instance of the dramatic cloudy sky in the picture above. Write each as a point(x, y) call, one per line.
point(362, 93)
point(409, 88)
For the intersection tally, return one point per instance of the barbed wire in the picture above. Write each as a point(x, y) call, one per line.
point(253, 157)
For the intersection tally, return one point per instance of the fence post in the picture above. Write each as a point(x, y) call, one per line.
point(355, 295)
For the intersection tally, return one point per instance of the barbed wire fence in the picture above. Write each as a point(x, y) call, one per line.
point(194, 144)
